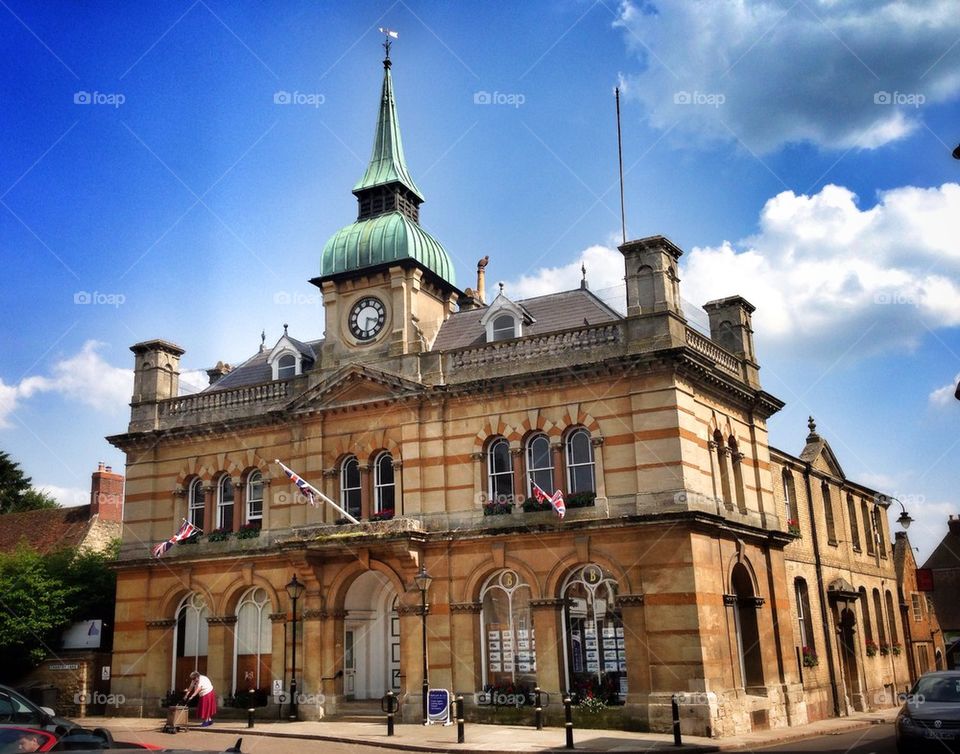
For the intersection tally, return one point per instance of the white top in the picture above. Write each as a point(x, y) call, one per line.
point(204, 685)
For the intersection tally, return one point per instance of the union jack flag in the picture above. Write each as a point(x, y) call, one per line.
point(555, 500)
point(185, 531)
point(302, 485)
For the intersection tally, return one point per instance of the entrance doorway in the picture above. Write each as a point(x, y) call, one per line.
point(371, 641)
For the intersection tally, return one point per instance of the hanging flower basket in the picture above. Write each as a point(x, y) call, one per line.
point(896, 649)
point(872, 648)
point(884, 649)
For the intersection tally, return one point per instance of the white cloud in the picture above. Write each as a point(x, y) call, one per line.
point(85, 377)
point(68, 497)
point(826, 276)
point(770, 72)
point(193, 381)
point(945, 396)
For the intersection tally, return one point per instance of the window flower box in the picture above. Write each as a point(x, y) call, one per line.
point(249, 531)
point(810, 659)
point(793, 526)
point(497, 508)
point(531, 505)
point(384, 515)
point(580, 500)
point(884, 649)
point(872, 648)
point(896, 648)
point(219, 535)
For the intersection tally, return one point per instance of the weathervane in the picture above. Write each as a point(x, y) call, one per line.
point(388, 35)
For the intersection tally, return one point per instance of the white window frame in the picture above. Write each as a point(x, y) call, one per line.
point(222, 504)
point(344, 489)
point(533, 470)
point(196, 503)
point(252, 479)
point(263, 609)
point(492, 474)
point(379, 486)
point(574, 464)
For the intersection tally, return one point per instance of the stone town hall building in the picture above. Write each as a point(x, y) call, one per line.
point(693, 558)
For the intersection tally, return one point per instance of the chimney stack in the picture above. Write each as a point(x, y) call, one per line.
point(481, 292)
point(220, 370)
point(106, 494)
point(953, 524)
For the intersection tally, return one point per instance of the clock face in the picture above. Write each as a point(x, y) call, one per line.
point(367, 318)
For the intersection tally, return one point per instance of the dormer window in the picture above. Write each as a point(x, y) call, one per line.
point(286, 366)
point(504, 327)
point(504, 319)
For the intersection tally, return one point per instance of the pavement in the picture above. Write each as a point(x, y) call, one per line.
point(478, 737)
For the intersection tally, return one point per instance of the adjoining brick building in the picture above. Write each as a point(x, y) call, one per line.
point(924, 643)
point(944, 563)
point(429, 414)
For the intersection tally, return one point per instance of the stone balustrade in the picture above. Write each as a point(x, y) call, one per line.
point(720, 356)
point(250, 399)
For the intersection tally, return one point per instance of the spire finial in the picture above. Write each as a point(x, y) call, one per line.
point(388, 35)
point(284, 328)
point(263, 340)
point(501, 287)
point(812, 425)
point(583, 280)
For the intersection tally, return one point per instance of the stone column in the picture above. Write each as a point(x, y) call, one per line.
point(331, 658)
point(464, 650)
point(209, 508)
point(366, 490)
point(519, 485)
point(220, 639)
point(556, 452)
point(278, 657)
point(547, 615)
point(479, 488)
point(329, 489)
point(159, 662)
point(239, 504)
point(265, 521)
point(599, 481)
point(411, 656)
point(309, 679)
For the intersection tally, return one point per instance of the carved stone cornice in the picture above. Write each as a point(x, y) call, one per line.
point(629, 600)
point(328, 473)
point(165, 623)
point(516, 452)
point(180, 492)
point(476, 456)
point(729, 599)
point(465, 607)
point(552, 602)
point(278, 617)
point(398, 463)
point(410, 609)
point(732, 599)
point(221, 620)
point(335, 614)
point(313, 615)
point(596, 441)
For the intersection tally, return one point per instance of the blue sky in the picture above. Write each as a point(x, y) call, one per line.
point(799, 152)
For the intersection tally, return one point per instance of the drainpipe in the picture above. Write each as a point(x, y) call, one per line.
point(822, 592)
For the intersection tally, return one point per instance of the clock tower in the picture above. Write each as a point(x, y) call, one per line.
point(387, 284)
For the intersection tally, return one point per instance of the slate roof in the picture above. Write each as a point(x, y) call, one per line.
point(45, 530)
point(947, 553)
point(945, 562)
point(256, 369)
point(555, 311)
point(552, 312)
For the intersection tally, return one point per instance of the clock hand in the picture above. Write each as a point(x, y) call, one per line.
point(368, 321)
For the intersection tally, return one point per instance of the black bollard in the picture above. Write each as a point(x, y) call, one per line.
point(538, 708)
point(391, 701)
point(459, 708)
point(675, 710)
point(281, 698)
point(250, 710)
point(568, 714)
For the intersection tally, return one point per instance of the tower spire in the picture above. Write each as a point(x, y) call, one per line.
point(386, 185)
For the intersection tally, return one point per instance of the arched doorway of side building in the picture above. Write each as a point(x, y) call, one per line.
point(371, 641)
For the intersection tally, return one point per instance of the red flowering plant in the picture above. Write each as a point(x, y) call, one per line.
point(872, 648)
point(793, 526)
point(810, 659)
point(884, 648)
point(385, 515)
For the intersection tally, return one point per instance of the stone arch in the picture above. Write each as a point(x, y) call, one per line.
point(536, 421)
point(472, 586)
point(740, 559)
point(494, 425)
point(568, 563)
point(338, 588)
point(171, 599)
point(232, 594)
point(193, 468)
point(575, 414)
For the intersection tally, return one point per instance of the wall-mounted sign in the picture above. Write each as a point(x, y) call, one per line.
point(63, 666)
point(85, 634)
point(105, 673)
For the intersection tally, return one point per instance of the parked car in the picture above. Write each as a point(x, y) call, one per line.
point(16, 709)
point(97, 739)
point(930, 717)
point(15, 739)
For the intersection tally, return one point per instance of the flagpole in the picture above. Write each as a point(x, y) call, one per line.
point(317, 492)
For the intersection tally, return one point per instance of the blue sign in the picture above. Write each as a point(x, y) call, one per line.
point(438, 706)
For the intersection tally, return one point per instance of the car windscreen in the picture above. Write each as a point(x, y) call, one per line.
point(938, 689)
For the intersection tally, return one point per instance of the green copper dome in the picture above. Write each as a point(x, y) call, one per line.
point(384, 239)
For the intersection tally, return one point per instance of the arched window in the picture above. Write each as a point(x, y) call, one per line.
point(854, 529)
point(500, 471)
point(828, 514)
point(286, 366)
point(539, 464)
point(865, 615)
point(596, 660)
point(504, 327)
point(747, 629)
point(225, 503)
point(580, 465)
point(737, 457)
point(254, 641)
point(189, 640)
point(384, 483)
point(867, 527)
point(350, 486)
point(878, 609)
point(790, 498)
point(878, 527)
point(721, 451)
point(254, 497)
point(804, 618)
point(892, 619)
point(196, 503)
point(506, 625)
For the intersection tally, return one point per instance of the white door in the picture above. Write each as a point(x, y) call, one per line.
point(349, 664)
point(371, 638)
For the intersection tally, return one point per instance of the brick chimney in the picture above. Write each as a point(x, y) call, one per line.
point(954, 525)
point(106, 494)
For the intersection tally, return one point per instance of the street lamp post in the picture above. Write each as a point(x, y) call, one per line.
point(295, 589)
point(423, 584)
